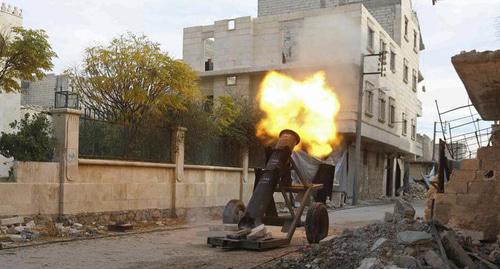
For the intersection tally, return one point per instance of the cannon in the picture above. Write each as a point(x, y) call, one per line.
point(261, 209)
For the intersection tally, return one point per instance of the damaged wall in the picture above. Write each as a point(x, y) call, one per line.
point(472, 197)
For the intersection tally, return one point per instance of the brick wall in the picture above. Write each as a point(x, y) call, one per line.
point(472, 196)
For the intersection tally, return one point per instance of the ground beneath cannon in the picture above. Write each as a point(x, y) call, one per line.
point(182, 248)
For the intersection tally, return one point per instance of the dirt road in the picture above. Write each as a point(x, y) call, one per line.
point(174, 249)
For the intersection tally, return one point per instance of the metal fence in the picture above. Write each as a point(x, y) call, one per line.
point(201, 149)
point(101, 139)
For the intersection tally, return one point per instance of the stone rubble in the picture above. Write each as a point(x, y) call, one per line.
point(400, 241)
point(23, 230)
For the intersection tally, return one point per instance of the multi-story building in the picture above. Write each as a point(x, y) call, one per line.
point(10, 103)
point(43, 93)
point(300, 37)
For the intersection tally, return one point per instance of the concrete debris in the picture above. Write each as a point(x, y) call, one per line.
point(412, 238)
point(403, 209)
point(407, 262)
point(257, 232)
point(30, 225)
point(371, 263)
point(379, 243)
point(16, 238)
point(12, 221)
point(389, 217)
point(434, 260)
point(387, 244)
point(416, 191)
point(455, 252)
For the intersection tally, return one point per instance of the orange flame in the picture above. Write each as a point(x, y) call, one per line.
point(308, 107)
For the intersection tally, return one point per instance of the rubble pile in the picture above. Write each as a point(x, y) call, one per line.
point(416, 191)
point(22, 230)
point(400, 241)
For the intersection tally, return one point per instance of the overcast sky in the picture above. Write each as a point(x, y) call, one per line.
point(448, 28)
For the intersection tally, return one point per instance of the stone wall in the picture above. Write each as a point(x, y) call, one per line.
point(472, 196)
point(117, 186)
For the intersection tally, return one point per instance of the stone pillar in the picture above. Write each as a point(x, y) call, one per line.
point(244, 164)
point(177, 155)
point(66, 130)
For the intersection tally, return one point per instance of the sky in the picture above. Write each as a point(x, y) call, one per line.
point(449, 27)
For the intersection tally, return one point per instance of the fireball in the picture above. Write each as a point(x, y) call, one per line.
point(308, 107)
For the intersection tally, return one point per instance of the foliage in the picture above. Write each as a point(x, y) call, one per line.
point(26, 55)
point(33, 140)
point(237, 118)
point(131, 80)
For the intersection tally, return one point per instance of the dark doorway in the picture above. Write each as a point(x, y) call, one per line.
point(398, 179)
point(388, 179)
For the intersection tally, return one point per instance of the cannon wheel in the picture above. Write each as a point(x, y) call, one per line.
point(233, 211)
point(317, 223)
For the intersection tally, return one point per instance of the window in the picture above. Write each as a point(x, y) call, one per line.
point(383, 46)
point(231, 80)
point(392, 112)
point(381, 106)
point(406, 28)
point(231, 25)
point(415, 41)
point(322, 3)
point(365, 157)
point(405, 71)
point(208, 52)
point(414, 81)
point(371, 39)
point(393, 61)
point(405, 124)
point(369, 98)
point(413, 129)
point(209, 65)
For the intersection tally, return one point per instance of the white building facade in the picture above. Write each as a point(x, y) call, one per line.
point(10, 103)
point(302, 37)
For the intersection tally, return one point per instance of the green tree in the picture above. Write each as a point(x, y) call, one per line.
point(131, 79)
point(32, 141)
point(26, 55)
point(236, 118)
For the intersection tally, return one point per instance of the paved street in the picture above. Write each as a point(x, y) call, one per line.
point(174, 249)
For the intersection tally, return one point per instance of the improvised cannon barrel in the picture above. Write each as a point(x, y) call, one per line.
point(277, 164)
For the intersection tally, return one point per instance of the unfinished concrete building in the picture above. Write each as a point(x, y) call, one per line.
point(301, 37)
point(471, 199)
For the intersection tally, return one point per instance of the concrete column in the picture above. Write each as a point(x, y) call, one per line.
point(244, 164)
point(66, 130)
point(177, 154)
point(394, 169)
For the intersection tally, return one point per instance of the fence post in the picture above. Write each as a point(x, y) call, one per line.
point(66, 130)
point(177, 155)
point(244, 164)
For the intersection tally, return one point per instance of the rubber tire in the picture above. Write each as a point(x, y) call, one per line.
point(233, 211)
point(317, 223)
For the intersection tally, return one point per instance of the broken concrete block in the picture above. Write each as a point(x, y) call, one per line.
point(403, 209)
point(414, 238)
point(77, 225)
point(434, 260)
point(389, 217)
point(371, 263)
point(257, 232)
point(407, 262)
point(379, 243)
point(455, 252)
point(16, 238)
point(30, 225)
point(11, 221)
